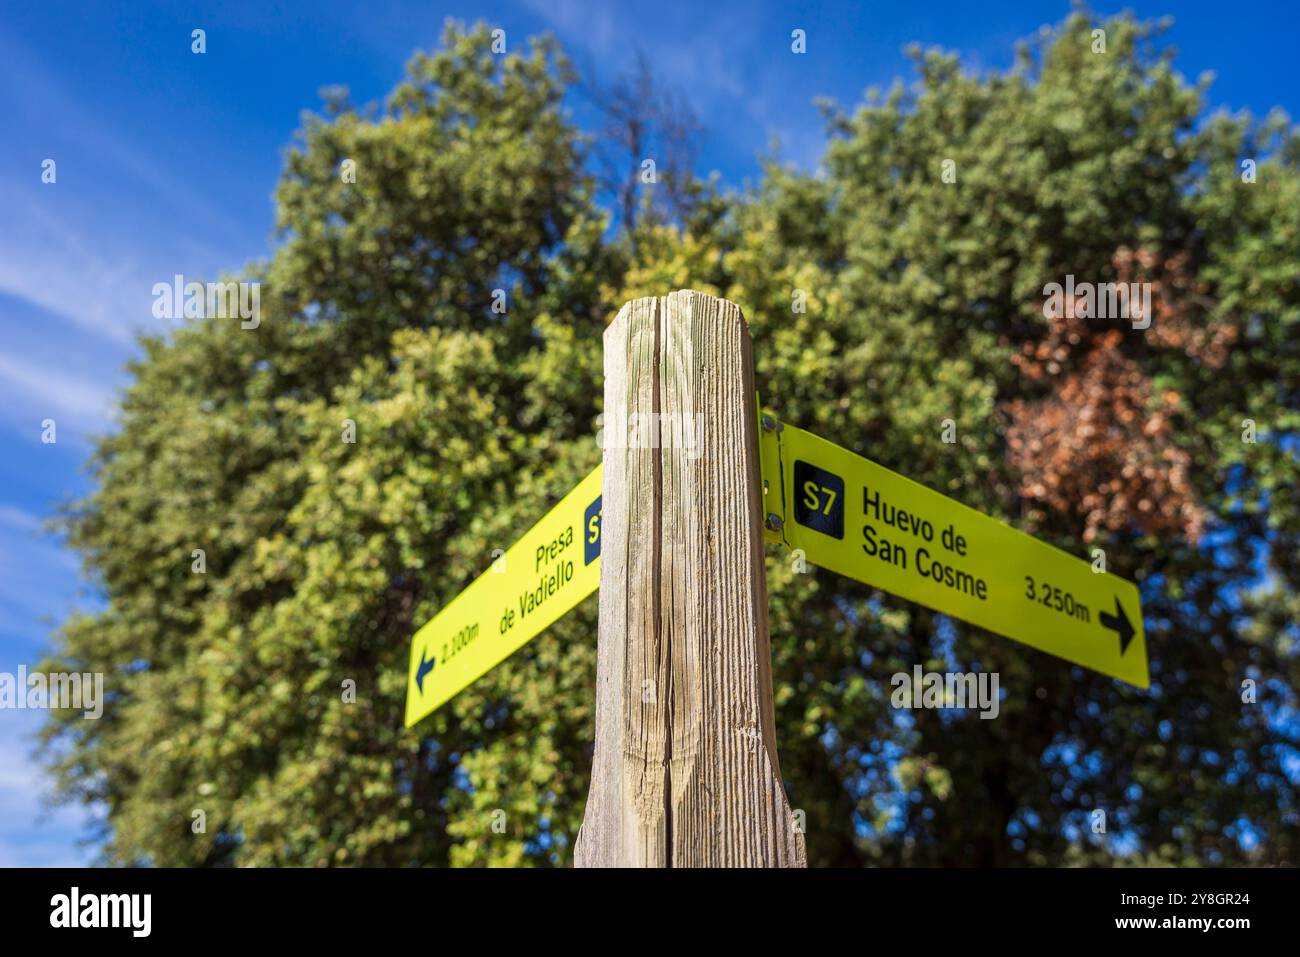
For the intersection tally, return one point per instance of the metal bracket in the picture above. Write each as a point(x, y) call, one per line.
point(772, 485)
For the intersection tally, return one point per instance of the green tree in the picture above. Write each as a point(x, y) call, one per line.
point(923, 303)
point(323, 554)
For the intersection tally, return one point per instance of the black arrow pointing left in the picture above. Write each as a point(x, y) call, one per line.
point(426, 665)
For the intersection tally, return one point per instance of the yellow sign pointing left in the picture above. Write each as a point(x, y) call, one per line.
point(555, 565)
point(859, 519)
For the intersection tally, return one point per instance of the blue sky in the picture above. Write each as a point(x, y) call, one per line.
point(167, 162)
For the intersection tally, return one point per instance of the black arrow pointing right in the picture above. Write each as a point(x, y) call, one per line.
point(1119, 623)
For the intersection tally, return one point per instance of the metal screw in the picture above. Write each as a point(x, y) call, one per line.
point(769, 423)
point(774, 522)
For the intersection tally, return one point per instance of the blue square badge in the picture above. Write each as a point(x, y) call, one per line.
point(818, 499)
point(591, 532)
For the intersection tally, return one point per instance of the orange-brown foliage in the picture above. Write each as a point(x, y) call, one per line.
point(1101, 445)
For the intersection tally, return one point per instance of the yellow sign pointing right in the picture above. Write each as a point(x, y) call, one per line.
point(859, 519)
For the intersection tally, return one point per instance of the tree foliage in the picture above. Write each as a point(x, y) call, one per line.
point(924, 303)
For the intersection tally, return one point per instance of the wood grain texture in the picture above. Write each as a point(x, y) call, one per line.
point(685, 771)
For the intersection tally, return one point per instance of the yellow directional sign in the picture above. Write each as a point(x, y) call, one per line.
point(555, 565)
point(859, 519)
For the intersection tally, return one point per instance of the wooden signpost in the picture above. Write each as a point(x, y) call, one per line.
point(685, 771)
point(672, 528)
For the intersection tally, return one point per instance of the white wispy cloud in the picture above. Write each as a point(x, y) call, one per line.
point(720, 80)
point(50, 264)
point(19, 519)
point(47, 95)
point(89, 247)
point(32, 832)
point(595, 26)
point(33, 393)
point(39, 578)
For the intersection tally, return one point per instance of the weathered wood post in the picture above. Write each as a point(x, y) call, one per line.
point(685, 771)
